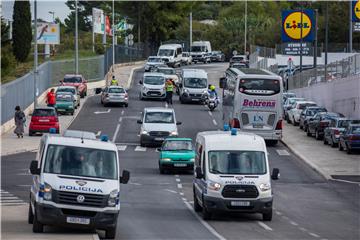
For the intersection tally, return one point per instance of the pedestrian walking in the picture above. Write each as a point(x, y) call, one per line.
point(169, 87)
point(20, 120)
point(51, 98)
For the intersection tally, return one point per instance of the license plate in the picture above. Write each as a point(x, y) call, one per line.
point(180, 164)
point(77, 220)
point(60, 110)
point(240, 203)
point(44, 120)
point(159, 139)
point(195, 99)
point(258, 126)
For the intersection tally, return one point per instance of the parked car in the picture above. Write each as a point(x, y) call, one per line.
point(217, 56)
point(76, 80)
point(157, 124)
point(294, 113)
point(289, 104)
point(308, 113)
point(114, 95)
point(70, 90)
point(65, 103)
point(42, 119)
point(350, 139)
point(239, 65)
point(238, 58)
point(336, 127)
point(152, 62)
point(176, 154)
point(186, 58)
point(319, 122)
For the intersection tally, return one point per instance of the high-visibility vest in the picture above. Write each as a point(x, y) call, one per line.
point(169, 87)
point(114, 82)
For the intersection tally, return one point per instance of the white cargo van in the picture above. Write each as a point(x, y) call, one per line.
point(193, 85)
point(232, 174)
point(171, 54)
point(76, 183)
point(201, 51)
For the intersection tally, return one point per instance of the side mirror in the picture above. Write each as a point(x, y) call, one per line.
point(139, 121)
point(198, 173)
point(124, 179)
point(158, 149)
point(222, 82)
point(180, 85)
point(97, 90)
point(311, 119)
point(34, 170)
point(178, 123)
point(275, 175)
point(140, 82)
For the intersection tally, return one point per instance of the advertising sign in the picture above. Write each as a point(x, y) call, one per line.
point(98, 21)
point(108, 26)
point(48, 33)
point(293, 48)
point(356, 11)
point(356, 27)
point(291, 25)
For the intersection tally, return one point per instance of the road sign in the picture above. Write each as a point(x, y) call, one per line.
point(131, 42)
point(291, 25)
point(130, 36)
point(356, 27)
point(234, 52)
point(293, 48)
point(48, 33)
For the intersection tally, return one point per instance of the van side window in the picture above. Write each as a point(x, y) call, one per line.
point(203, 164)
point(198, 154)
point(179, 51)
point(41, 151)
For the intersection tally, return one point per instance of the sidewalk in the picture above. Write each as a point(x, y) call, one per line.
point(329, 162)
point(10, 144)
point(14, 226)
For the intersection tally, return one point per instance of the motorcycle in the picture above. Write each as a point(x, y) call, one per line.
point(211, 101)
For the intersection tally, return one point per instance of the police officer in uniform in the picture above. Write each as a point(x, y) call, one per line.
point(169, 86)
point(114, 81)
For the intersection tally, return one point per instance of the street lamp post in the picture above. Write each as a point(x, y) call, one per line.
point(35, 54)
point(113, 37)
point(53, 15)
point(245, 27)
point(76, 39)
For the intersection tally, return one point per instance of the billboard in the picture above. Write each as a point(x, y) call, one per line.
point(98, 21)
point(48, 33)
point(356, 11)
point(291, 25)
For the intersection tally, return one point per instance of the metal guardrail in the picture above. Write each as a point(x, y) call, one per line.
point(336, 70)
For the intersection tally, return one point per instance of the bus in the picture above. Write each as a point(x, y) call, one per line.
point(252, 102)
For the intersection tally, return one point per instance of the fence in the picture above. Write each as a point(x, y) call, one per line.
point(337, 70)
point(122, 54)
point(21, 91)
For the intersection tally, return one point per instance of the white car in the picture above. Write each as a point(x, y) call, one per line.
point(152, 62)
point(295, 112)
point(186, 58)
point(153, 86)
point(157, 123)
point(66, 90)
point(169, 73)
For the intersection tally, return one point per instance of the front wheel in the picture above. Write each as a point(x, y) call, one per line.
point(340, 146)
point(348, 150)
point(206, 214)
point(37, 226)
point(30, 215)
point(267, 216)
point(110, 233)
point(197, 207)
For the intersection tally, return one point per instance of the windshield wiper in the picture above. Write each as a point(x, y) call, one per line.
point(216, 171)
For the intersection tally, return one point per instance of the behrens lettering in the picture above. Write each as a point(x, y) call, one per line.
point(259, 103)
point(79, 188)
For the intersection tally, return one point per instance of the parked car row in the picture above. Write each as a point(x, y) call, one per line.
point(331, 127)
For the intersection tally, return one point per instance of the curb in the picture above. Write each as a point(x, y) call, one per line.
point(131, 76)
point(306, 161)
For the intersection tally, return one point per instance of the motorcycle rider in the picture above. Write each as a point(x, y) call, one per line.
point(212, 91)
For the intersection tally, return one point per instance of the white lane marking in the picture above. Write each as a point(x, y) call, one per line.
point(176, 176)
point(210, 113)
point(314, 235)
point(121, 147)
point(120, 119)
point(172, 191)
point(179, 185)
point(184, 199)
point(266, 227)
point(294, 223)
point(285, 217)
point(122, 112)
point(2, 191)
point(302, 229)
point(128, 144)
point(182, 194)
point(12, 204)
point(205, 224)
point(98, 134)
point(116, 132)
point(12, 201)
point(283, 152)
point(345, 181)
point(214, 121)
point(23, 185)
point(140, 149)
point(278, 213)
point(177, 179)
point(23, 174)
point(134, 183)
point(8, 198)
point(192, 202)
point(100, 112)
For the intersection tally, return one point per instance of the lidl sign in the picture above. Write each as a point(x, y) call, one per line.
point(291, 25)
point(356, 11)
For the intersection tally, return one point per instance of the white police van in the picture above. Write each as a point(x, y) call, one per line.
point(232, 174)
point(193, 86)
point(76, 183)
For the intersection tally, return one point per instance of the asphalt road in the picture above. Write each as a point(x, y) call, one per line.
point(158, 206)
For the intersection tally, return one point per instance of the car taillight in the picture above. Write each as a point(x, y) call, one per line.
point(354, 137)
point(279, 125)
point(235, 123)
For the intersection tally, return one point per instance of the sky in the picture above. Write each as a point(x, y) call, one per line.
point(43, 8)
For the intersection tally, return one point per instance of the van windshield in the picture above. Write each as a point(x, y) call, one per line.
point(198, 48)
point(78, 161)
point(259, 86)
point(195, 82)
point(154, 80)
point(237, 162)
point(159, 117)
point(166, 53)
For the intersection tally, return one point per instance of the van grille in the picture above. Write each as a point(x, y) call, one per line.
point(159, 133)
point(91, 200)
point(153, 93)
point(271, 119)
point(245, 118)
point(240, 191)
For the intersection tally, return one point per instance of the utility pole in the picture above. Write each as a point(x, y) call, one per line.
point(301, 39)
point(53, 16)
point(190, 31)
point(350, 27)
point(35, 54)
point(245, 27)
point(113, 36)
point(316, 38)
point(76, 39)
point(326, 36)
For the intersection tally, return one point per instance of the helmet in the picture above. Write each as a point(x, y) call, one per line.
point(212, 87)
point(113, 77)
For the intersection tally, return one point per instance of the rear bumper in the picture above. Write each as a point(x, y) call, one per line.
point(43, 128)
point(355, 144)
point(147, 139)
point(272, 135)
point(116, 100)
point(173, 165)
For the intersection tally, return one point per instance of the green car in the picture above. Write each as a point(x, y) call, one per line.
point(176, 154)
point(65, 104)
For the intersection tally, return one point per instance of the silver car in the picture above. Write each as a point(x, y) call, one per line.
point(114, 95)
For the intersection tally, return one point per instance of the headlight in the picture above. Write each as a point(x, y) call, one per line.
point(145, 89)
point(144, 132)
point(192, 159)
point(213, 185)
point(265, 187)
point(70, 106)
point(173, 133)
point(186, 90)
point(113, 198)
point(46, 191)
point(166, 159)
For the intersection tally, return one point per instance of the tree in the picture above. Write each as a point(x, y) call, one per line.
point(22, 35)
point(4, 33)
